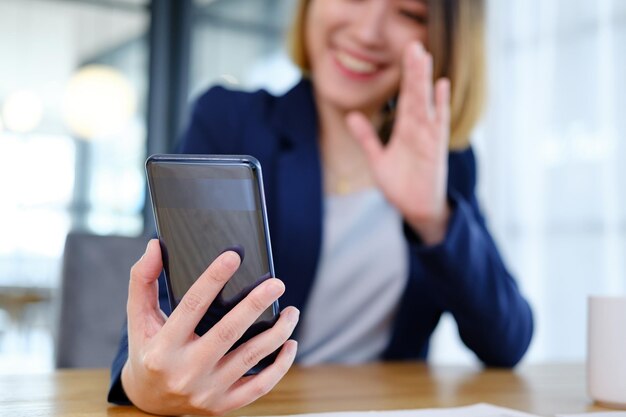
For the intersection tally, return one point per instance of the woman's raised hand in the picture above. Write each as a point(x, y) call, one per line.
point(412, 169)
point(171, 370)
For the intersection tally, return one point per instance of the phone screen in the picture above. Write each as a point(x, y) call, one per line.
point(203, 208)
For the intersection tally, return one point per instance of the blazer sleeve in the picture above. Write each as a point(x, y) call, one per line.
point(466, 276)
point(211, 121)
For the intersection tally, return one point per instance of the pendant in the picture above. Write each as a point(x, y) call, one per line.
point(343, 187)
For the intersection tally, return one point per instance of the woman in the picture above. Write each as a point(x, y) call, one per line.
point(376, 230)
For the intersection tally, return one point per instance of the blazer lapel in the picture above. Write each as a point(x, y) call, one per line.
point(297, 228)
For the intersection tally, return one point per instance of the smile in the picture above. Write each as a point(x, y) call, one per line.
point(356, 65)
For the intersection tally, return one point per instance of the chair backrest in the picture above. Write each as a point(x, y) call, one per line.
point(92, 306)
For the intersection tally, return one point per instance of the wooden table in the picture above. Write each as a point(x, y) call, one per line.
point(544, 390)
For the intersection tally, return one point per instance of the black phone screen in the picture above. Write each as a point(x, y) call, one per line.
point(204, 207)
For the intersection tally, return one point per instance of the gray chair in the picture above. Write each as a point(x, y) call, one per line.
point(92, 305)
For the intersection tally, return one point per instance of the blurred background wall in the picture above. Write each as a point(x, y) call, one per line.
point(89, 88)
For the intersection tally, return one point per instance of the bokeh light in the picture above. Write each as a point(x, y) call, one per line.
point(98, 101)
point(22, 111)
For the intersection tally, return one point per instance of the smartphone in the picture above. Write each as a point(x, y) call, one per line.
point(203, 206)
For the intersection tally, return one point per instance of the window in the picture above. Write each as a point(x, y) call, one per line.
point(72, 142)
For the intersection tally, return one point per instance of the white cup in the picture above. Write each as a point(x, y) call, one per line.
point(606, 350)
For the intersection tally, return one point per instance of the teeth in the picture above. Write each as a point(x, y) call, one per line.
point(355, 64)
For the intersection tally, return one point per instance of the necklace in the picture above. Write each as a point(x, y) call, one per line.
point(347, 183)
point(345, 168)
point(343, 186)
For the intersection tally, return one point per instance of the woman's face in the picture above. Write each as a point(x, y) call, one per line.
point(356, 47)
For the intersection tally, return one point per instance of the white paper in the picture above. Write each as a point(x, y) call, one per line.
point(476, 410)
point(597, 414)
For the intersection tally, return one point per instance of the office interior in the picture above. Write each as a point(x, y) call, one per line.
point(90, 88)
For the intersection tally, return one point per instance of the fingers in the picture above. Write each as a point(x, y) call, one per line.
point(418, 70)
point(235, 364)
point(442, 103)
point(427, 83)
point(362, 129)
point(417, 101)
point(251, 389)
point(143, 288)
point(221, 337)
point(194, 304)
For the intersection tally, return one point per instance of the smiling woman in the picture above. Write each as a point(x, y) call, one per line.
point(374, 238)
point(452, 31)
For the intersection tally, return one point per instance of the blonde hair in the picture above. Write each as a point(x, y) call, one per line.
point(456, 41)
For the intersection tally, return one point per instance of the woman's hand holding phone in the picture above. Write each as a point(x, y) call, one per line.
point(171, 370)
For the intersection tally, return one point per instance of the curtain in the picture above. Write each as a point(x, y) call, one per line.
point(551, 150)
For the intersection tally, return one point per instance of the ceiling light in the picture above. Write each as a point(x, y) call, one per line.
point(99, 101)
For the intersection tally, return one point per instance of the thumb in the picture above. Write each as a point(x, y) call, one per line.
point(143, 291)
point(364, 132)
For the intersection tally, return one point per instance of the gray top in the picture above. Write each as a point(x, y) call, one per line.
point(361, 275)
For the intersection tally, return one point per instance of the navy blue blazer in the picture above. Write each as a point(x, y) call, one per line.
point(464, 275)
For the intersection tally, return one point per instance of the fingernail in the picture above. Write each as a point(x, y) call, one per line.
point(418, 49)
point(275, 288)
point(146, 251)
point(230, 260)
point(446, 85)
point(293, 315)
